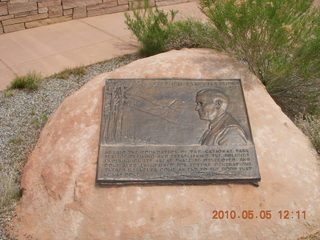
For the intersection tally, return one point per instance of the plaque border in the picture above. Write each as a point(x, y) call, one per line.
point(100, 182)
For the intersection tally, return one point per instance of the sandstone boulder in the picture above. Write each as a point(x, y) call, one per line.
point(61, 201)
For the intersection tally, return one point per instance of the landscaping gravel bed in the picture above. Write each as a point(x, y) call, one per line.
point(22, 115)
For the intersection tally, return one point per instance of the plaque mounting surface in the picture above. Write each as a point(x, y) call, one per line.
point(175, 131)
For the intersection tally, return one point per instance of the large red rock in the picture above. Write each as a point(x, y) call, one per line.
point(61, 201)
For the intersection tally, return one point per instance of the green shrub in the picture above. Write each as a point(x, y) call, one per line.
point(280, 42)
point(29, 81)
point(152, 27)
point(190, 34)
point(157, 31)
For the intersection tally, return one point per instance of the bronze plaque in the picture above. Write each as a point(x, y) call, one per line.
point(175, 131)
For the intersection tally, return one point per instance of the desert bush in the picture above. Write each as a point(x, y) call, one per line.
point(190, 34)
point(151, 26)
point(157, 31)
point(280, 42)
point(30, 81)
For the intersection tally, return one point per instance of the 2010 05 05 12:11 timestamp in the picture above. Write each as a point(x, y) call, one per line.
point(258, 214)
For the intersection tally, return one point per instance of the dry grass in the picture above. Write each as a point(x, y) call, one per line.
point(310, 125)
point(16, 140)
point(77, 71)
point(9, 187)
point(315, 236)
point(8, 93)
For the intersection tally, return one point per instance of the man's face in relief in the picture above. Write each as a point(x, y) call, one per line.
point(207, 107)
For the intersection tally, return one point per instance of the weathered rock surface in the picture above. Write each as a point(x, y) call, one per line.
point(61, 202)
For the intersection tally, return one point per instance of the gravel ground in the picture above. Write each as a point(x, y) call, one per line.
point(22, 115)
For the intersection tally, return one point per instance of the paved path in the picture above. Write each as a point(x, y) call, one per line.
point(53, 48)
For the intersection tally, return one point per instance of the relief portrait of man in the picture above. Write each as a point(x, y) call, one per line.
point(223, 128)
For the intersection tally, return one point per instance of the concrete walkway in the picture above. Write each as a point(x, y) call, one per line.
point(53, 48)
